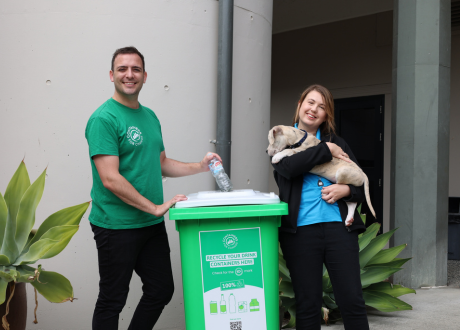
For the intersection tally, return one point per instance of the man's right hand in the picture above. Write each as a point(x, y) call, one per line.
point(160, 210)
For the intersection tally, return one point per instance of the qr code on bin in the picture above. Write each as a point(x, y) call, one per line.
point(236, 325)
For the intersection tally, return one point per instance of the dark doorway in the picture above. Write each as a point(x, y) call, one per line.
point(360, 121)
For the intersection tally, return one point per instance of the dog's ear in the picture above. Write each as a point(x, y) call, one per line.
point(277, 130)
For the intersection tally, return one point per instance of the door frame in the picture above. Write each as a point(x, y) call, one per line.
point(378, 103)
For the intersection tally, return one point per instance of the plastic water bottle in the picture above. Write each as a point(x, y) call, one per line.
point(218, 172)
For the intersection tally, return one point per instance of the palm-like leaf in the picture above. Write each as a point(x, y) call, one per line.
point(3, 217)
point(368, 236)
point(68, 216)
point(26, 214)
point(36, 252)
point(393, 290)
point(384, 302)
point(17, 186)
point(54, 287)
point(20, 245)
point(374, 247)
point(386, 255)
point(376, 274)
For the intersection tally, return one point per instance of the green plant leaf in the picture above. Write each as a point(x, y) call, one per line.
point(292, 320)
point(359, 208)
point(327, 285)
point(54, 287)
point(26, 273)
point(287, 302)
point(330, 303)
point(8, 273)
point(286, 289)
point(3, 287)
point(393, 290)
point(63, 234)
point(368, 235)
point(29, 239)
point(17, 186)
point(363, 217)
point(3, 218)
point(284, 271)
point(395, 263)
point(376, 274)
point(387, 255)
point(26, 213)
point(68, 216)
point(384, 302)
point(374, 247)
point(36, 252)
point(4, 261)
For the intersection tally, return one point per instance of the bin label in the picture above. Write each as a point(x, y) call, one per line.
point(232, 275)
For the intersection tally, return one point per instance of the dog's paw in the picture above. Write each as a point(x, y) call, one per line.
point(348, 222)
point(277, 158)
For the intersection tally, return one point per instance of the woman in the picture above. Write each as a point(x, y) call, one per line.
point(314, 232)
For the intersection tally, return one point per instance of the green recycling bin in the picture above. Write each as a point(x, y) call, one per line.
point(229, 257)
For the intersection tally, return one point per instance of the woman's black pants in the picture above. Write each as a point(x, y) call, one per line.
point(305, 252)
point(120, 252)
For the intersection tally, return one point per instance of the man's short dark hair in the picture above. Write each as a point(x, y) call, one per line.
point(128, 50)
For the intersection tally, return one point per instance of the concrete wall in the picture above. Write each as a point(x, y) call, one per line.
point(352, 58)
point(56, 60)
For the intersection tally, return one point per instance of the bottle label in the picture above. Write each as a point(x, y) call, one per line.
point(217, 165)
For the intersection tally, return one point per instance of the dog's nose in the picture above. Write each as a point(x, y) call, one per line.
point(266, 151)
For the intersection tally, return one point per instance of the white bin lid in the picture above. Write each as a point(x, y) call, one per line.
point(235, 197)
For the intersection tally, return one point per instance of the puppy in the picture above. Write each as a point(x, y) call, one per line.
point(286, 141)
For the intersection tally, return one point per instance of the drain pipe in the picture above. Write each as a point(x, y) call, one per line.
point(224, 83)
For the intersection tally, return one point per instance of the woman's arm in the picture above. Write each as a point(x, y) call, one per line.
point(303, 162)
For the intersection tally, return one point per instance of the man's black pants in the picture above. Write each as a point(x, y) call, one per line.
point(144, 250)
point(305, 252)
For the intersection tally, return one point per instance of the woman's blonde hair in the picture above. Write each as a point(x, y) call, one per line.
point(328, 127)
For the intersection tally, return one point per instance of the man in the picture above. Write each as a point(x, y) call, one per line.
point(128, 160)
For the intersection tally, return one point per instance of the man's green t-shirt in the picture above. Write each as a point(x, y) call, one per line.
point(134, 135)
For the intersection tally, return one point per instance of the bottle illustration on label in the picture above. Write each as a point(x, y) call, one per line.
point(223, 305)
point(213, 307)
point(254, 306)
point(232, 303)
point(242, 307)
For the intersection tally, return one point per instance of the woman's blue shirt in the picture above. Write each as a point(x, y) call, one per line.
point(313, 209)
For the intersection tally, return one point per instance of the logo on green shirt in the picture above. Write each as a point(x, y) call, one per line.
point(134, 136)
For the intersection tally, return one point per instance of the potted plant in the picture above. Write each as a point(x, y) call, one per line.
point(21, 246)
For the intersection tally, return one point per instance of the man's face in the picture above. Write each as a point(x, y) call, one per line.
point(128, 75)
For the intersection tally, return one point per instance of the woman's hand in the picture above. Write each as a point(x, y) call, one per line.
point(337, 152)
point(334, 192)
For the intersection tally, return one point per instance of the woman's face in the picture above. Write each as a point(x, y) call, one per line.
point(312, 112)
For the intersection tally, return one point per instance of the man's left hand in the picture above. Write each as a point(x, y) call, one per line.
point(207, 159)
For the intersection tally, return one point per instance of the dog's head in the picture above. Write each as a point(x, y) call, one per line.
point(277, 141)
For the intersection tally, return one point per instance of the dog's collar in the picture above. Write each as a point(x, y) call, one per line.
point(297, 144)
